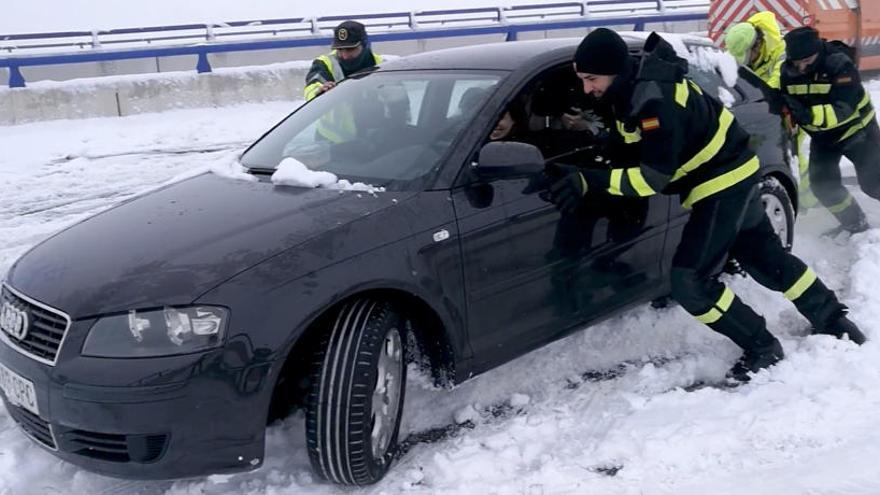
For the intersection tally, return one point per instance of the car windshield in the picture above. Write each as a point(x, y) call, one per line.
point(384, 128)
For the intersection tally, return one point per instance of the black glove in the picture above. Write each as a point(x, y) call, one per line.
point(800, 112)
point(567, 192)
point(540, 183)
point(775, 101)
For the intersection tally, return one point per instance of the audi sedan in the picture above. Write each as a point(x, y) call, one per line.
point(158, 338)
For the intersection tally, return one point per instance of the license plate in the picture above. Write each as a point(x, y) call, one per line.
point(18, 390)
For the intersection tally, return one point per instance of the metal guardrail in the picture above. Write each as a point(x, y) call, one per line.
point(41, 49)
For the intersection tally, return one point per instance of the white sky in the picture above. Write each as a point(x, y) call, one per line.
point(21, 16)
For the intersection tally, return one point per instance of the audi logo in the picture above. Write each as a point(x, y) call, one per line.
point(13, 321)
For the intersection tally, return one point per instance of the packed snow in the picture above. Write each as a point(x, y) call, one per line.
point(602, 411)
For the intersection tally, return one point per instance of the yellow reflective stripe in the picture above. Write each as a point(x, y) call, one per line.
point(710, 316)
point(843, 205)
point(616, 179)
point(718, 310)
point(819, 89)
point(311, 91)
point(856, 128)
point(722, 182)
point(801, 286)
point(797, 89)
point(628, 137)
point(584, 185)
point(681, 93)
point(638, 182)
point(818, 114)
point(711, 149)
point(830, 116)
point(696, 87)
point(377, 59)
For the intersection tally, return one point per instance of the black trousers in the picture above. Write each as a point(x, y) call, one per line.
point(736, 225)
point(863, 149)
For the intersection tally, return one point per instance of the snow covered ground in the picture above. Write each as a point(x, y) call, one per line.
point(602, 411)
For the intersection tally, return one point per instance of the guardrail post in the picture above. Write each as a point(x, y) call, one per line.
point(96, 43)
point(413, 22)
point(203, 64)
point(16, 80)
point(315, 29)
point(661, 6)
point(585, 8)
point(209, 32)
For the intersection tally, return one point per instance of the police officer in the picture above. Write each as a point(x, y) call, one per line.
point(691, 145)
point(757, 44)
point(351, 53)
point(823, 91)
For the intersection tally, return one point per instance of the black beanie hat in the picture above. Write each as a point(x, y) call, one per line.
point(602, 52)
point(801, 43)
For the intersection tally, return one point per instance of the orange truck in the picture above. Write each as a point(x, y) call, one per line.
point(856, 22)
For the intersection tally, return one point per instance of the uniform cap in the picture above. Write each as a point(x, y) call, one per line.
point(349, 34)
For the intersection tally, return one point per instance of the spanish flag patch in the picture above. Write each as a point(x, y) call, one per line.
point(650, 124)
point(843, 80)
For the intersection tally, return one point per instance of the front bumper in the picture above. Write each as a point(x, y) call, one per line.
point(156, 418)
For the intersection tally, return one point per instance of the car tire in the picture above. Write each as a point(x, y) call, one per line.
point(780, 210)
point(354, 408)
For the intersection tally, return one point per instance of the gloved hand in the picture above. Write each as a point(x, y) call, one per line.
point(775, 101)
point(800, 112)
point(567, 192)
point(540, 183)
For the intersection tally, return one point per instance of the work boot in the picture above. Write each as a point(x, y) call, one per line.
point(756, 359)
point(841, 327)
point(854, 228)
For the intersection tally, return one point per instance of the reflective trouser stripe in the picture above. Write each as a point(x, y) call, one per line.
point(843, 205)
point(718, 310)
point(802, 284)
point(711, 149)
point(722, 182)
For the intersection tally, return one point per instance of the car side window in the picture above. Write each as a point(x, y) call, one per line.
point(466, 95)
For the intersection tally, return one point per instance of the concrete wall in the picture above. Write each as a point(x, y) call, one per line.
point(158, 84)
point(133, 95)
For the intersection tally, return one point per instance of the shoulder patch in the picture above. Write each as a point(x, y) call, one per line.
point(843, 80)
point(650, 124)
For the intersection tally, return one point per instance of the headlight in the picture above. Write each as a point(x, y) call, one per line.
point(160, 332)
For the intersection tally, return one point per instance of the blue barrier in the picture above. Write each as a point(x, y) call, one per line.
point(414, 30)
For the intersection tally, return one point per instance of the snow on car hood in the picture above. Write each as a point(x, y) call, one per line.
point(170, 246)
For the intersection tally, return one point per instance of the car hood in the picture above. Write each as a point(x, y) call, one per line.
point(171, 245)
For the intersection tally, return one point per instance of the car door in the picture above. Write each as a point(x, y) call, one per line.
point(532, 274)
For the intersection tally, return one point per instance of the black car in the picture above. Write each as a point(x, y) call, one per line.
point(158, 339)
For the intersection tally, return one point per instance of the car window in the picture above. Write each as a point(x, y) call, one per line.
point(379, 128)
point(465, 93)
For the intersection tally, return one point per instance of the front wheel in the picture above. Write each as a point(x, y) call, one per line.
point(780, 210)
point(353, 411)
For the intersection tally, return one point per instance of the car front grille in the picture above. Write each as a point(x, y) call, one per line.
point(46, 327)
point(33, 425)
point(112, 447)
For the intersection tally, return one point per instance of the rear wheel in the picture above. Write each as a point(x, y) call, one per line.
point(780, 210)
point(354, 408)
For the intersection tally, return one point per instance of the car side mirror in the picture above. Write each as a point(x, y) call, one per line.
point(509, 160)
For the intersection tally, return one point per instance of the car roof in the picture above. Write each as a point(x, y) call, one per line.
point(509, 55)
